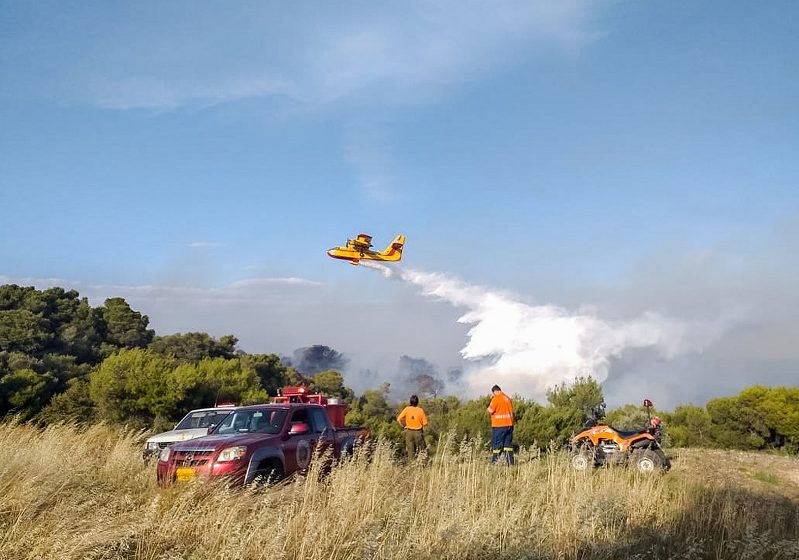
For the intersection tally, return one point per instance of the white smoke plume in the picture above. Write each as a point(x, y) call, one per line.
point(528, 348)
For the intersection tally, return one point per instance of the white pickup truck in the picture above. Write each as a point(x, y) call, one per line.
point(194, 425)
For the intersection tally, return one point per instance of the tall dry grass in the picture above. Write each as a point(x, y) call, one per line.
point(69, 493)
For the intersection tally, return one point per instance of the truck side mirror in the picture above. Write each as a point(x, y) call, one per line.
point(211, 428)
point(299, 428)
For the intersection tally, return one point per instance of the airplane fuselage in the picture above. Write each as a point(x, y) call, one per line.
point(355, 252)
point(355, 255)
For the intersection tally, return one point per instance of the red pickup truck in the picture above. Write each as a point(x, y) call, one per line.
point(263, 443)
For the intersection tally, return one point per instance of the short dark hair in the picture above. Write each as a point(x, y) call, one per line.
point(495, 388)
point(414, 400)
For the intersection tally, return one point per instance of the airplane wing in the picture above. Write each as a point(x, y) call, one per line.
point(362, 241)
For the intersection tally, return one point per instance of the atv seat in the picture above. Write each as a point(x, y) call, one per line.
point(626, 435)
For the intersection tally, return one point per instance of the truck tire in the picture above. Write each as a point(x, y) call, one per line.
point(268, 474)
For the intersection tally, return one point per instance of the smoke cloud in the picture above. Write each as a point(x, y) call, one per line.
point(528, 348)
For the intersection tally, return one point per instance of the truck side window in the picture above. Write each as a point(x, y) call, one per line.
point(318, 420)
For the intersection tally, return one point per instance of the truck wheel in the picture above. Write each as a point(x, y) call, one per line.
point(267, 475)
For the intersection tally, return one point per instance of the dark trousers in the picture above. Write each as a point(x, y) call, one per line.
point(502, 442)
point(414, 442)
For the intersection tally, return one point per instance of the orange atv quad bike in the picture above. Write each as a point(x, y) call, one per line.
point(600, 444)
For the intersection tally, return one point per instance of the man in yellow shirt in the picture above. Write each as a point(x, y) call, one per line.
point(413, 420)
point(501, 412)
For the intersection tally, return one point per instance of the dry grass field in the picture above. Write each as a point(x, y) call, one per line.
point(67, 493)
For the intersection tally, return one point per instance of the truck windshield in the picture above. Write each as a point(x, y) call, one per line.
point(264, 421)
point(201, 419)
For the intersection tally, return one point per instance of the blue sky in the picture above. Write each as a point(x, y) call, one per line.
point(628, 156)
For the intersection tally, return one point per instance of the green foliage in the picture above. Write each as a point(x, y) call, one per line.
point(533, 426)
point(689, 426)
point(227, 380)
point(329, 382)
point(758, 418)
point(374, 403)
point(584, 395)
point(136, 386)
point(373, 410)
point(55, 337)
point(83, 335)
point(142, 387)
point(194, 346)
point(21, 331)
point(628, 417)
point(126, 328)
point(782, 415)
point(471, 420)
point(439, 412)
point(74, 405)
point(271, 372)
point(23, 391)
point(543, 427)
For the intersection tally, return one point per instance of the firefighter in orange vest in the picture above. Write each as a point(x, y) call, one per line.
point(501, 412)
point(413, 419)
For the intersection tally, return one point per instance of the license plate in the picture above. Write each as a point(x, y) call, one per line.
point(185, 474)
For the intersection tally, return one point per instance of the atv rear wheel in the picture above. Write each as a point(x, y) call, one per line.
point(583, 460)
point(647, 461)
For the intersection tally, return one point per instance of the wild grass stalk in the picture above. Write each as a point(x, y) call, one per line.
point(77, 493)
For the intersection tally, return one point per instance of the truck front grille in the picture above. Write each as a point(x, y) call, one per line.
point(193, 458)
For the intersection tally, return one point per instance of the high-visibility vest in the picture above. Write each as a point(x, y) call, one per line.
point(501, 411)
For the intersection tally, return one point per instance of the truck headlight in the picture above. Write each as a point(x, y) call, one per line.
point(151, 446)
point(232, 454)
point(165, 453)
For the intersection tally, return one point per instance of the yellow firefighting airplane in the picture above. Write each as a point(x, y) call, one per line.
point(360, 249)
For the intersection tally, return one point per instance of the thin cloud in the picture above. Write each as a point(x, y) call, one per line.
point(405, 51)
point(260, 282)
point(204, 244)
point(162, 93)
point(250, 290)
point(367, 152)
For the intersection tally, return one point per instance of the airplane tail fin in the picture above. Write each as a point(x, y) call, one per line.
point(394, 251)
